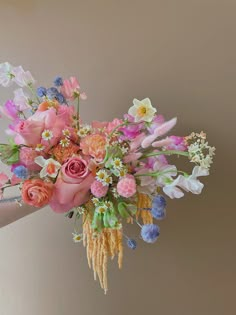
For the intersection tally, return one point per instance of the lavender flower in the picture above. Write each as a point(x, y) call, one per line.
point(150, 233)
point(131, 243)
point(41, 91)
point(21, 171)
point(52, 93)
point(60, 98)
point(58, 81)
point(158, 207)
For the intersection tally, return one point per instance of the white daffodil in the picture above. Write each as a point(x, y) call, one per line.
point(50, 167)
point(142, 110)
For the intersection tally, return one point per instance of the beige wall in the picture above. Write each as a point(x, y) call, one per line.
point(180, 53)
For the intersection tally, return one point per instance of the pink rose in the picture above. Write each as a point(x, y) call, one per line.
point(74, 170)
point(72, 187)
point(30, 131)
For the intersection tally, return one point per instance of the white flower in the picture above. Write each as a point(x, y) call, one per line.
point(50, 167)
point(101, 175)
point(5, 74)
point(39, 147)
point(189, 183)
point(47, 134)
point(77, 237)
point(64, 142)
point(172, 190)
point(116, 163)
point(142, 110)
point(101, 209)
point(21, 99)
point(22, 77)
point(66, 132)
point(95, 201)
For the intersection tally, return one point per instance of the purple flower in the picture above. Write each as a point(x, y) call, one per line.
point(131, 243)
point(52, 92)
point(150, 233)
point(130, 131)
point(60, 98)
point(41, 91)
point(58, 81)
point(21, 172)
point(158, 207)
point(177, 144)
point(10, 110)
point(157, 121)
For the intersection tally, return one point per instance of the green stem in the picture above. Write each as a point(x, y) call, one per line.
point(78, 116)
point(155, 174)
point(169, 152)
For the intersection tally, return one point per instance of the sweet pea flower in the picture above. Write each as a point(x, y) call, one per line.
point(71, 89)
point(176, 143)
point(21, 99)
point(130, 131)
point(187, 183)
point(158, 132)
point(9, 110)
point(6, 74)
point(22, 77)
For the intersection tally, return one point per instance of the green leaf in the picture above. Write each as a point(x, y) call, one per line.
point(122, 209)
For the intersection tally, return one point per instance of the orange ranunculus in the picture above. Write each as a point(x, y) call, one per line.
point(36, 192)
point(94, 145)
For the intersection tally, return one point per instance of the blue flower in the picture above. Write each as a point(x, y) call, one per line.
point(41, 91)
point(131, 243)
point(21, 172)
point(52, 93)
point(158, 207)
point(60, 98)
point(58, 81)
point(150, 232)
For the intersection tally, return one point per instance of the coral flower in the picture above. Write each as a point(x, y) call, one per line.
point(94, 145)
point(61, 154)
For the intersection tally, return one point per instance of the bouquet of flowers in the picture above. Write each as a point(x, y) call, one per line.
point(104, 173)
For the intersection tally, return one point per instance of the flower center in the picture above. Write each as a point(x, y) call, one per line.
point(51, 168)
point(141, 111)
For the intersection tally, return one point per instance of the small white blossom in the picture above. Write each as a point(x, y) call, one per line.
point(47, 134)
point(77, 237)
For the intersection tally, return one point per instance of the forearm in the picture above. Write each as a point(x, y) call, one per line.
point(11, 210)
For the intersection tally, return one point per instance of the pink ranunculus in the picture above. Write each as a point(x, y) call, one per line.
point(30, 131)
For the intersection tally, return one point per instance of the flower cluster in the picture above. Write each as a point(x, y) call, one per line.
point(108, 173)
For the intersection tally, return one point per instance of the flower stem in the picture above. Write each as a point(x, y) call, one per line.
point(78, 116)
point(169, 152)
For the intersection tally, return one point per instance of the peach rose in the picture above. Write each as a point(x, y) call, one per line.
point(36, 192)
point(94, 145)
